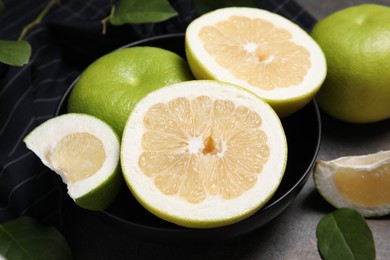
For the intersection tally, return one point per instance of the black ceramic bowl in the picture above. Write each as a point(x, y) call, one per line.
point(303, 131)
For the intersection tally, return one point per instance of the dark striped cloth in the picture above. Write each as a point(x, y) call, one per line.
point(69, 38)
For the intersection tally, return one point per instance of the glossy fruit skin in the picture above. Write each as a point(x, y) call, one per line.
point(356, 43)
point(110, 87)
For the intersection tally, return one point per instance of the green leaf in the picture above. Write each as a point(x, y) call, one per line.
point(25, 238)
point(204, 6)
point(16, 53)
point(142, 11)
point(344, 234)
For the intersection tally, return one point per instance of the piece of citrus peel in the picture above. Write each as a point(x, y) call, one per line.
point(358, 182)
point(203, 154)
point(258, 50)
point(84, 151)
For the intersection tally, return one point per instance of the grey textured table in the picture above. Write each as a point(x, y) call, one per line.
point(291, 235)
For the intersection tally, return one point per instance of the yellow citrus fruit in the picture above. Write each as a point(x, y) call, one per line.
point(203, 153)
point(356, 43)
point(358, 182)
point(259, 50)
point(84, 151)
point(111, 86)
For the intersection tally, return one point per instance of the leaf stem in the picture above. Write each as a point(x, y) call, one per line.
point(38, 20)
point(106, 19)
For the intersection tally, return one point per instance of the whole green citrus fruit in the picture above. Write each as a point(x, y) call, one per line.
point(356, 43)
point(110, 87)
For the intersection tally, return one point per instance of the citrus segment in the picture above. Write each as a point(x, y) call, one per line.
point(258, 50)
point(203, 153)
point(359, 182)
point(375, 182)
point(84, 151)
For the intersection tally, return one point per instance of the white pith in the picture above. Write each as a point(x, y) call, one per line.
point(44, 138)
point(212, 208)
point(313, 78)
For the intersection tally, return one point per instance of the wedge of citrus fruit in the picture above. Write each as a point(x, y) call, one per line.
point(203, 153)
point(84, 151)
point(259, 50)
point(356, 43)
point(111, 86)
point(358, 182)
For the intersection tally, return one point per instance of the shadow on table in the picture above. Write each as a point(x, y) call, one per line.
point(343, 139)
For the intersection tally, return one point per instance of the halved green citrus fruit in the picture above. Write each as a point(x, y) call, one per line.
point(203, 153)
point(84, 151)
point(358, 182)
point(110, 87)
point(259, 50)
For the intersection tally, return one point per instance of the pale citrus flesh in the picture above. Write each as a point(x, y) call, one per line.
point(360, 182)
point(355, 186)
point(194, 155)
point(263, 55)
point(211, 147)
point(78, 154)
point(259, 50)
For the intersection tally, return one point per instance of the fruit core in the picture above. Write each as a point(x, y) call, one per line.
point(356, 185)
point(78, 155)
point(201, 147)
point(256, 51)
point(212, 146)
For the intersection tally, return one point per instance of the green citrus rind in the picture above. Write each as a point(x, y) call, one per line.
point(356, 44)
point(101, 197)
point(110, 87)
